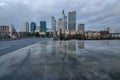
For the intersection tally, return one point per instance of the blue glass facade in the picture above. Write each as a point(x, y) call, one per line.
point(33, 26)
point(42, 26)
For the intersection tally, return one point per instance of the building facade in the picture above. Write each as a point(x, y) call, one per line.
point(43, 26)
point(59, 24)
point(92, 34)
point(72, 21)
point(26, 26)
point(4, 31)
point(33, 26)
point(64, 22)
point(53, 24)
point(81, 28)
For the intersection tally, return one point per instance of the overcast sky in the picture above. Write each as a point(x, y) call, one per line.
point(96, 14)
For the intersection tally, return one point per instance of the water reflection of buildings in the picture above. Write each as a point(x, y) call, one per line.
point(67, 50)
point(63, 50)
point(81, 44)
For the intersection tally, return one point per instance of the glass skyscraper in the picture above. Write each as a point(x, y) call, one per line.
point(43, 26)
point(72, 21)
point(33, 26)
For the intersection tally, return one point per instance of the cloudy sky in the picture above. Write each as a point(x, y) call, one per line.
point(96, 14)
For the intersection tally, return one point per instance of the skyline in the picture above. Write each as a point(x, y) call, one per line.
point(95, 14)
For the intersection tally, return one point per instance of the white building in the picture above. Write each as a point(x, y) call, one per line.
point(72, 21)
point(110, 30)
point(53, 24)
point(26, 26)
point(59, 24)
point(81, 28)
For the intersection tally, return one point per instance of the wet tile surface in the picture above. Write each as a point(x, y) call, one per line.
point(63, 60)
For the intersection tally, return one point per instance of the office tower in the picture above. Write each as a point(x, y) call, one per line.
point(72, 21)
point(64, 22)
point(43, 26)
point(53, 24)
point(33, 26)
point(26, 27)
point(81, 27)
point(4, 30)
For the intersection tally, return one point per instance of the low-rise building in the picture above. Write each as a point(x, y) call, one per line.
point(4, 31)
point(92, 34)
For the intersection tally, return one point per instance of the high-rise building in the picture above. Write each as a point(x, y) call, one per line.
point(72, 21)
point(81, 27)
point(64, 22)
point(53, 24)
point(33, 26)
point(59, 24)
point(26, 27)
point(4, 29)
point(43, 26)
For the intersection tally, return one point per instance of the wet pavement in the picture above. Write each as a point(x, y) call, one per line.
point(63, 60)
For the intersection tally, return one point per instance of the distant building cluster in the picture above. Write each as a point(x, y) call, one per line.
point(33, 30)
point(64, 27)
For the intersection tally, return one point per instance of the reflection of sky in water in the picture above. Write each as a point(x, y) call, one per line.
point(76, 46)
point(73, 48)
point(63, 60)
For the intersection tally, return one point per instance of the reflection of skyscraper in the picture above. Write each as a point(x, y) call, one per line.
point(72, 45)
point(72, 21)
point(64, 22)
point(72, 50)
point(81, 44)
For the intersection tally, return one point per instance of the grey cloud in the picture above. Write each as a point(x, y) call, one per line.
point(96, 14)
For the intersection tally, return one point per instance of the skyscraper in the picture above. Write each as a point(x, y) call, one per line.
point(64, 22)
point(26, 27)
point(81, 27)
point(81, 30)
point(72, 21)
point(33, 26)
point(59, 24)
point(53, 24)
point(43, 26)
